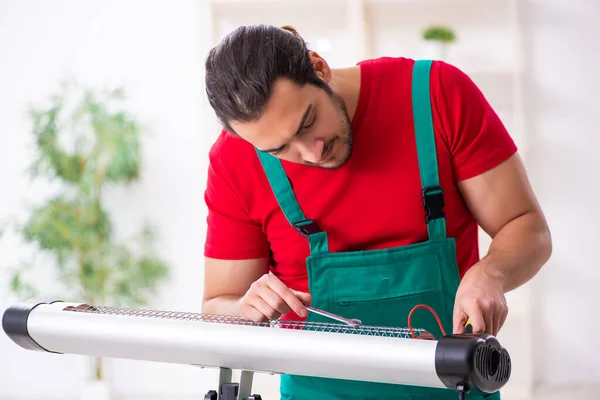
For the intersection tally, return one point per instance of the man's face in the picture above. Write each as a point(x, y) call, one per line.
point(305, 125)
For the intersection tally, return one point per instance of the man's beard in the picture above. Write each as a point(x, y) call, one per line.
point(346, 134)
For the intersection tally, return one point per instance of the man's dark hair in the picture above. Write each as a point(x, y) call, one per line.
point(241, 70)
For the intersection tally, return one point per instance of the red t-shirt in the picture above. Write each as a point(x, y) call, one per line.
point(374, 200)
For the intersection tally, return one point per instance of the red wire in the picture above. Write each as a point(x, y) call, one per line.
point(434, 314)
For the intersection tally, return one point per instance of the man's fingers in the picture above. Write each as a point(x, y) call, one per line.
point(251, 313)
point(490, 318)
point(265, 309)
point(485, 318)
point(274, 300)
point(459, 320)
point(477, 320)
point(295, 303)
point(501, 319)
point(304, 297)
point(287, 295)
point(496, 320)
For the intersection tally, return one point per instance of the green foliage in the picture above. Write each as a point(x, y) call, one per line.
point(440, 33)
point(84, 143)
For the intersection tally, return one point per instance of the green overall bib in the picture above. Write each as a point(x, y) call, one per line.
point(380, 287)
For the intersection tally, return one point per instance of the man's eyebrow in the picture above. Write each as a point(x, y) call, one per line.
point(300, 126)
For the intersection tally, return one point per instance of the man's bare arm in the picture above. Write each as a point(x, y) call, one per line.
point(505, 206)
point(246, 288)
point(226, 282)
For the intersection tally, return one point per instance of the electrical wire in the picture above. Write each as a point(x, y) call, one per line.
point(461, 389)
point(434, 314)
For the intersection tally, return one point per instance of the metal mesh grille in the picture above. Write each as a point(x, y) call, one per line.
point(226, 319)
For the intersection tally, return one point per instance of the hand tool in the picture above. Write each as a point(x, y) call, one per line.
point(352, 322)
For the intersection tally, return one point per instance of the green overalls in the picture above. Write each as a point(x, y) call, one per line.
point(380, 287)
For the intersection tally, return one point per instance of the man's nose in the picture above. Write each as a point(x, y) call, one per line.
point(311, 151)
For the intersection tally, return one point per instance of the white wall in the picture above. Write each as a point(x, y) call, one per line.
point(563, 164)
point(157, 48)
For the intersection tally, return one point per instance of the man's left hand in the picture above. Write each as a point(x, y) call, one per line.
point(480, 297)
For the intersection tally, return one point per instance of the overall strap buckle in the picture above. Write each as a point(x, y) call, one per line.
point(307, 227)
point(433, 202)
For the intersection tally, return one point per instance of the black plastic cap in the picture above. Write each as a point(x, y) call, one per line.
point(211, 395)
point(14, 323)
point(476, 361)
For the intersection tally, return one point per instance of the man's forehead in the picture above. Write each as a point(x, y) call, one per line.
point(281, 117)
point(286, 98)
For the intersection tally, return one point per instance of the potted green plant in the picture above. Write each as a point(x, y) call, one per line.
point(437, 39)
point(85, 145)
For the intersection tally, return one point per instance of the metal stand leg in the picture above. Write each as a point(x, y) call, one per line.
point(228, 390)
point(246, 384)
point(225, 385)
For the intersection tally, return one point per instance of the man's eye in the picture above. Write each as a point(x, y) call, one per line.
point(275, 152)
point(311, 122)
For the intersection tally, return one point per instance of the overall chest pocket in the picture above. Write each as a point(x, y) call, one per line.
point(384, 294)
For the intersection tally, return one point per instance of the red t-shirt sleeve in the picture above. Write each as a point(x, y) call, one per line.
point(476, 137)
point(231, 233)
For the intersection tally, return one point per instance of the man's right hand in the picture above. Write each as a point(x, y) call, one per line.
point(268, 298)
point(248, 289)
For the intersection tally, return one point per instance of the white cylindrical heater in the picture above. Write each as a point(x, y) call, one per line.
point(331, 350)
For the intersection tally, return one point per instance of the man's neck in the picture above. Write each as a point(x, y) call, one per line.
point(346, 82)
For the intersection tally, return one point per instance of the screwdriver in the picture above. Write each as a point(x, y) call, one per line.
point(468, 326)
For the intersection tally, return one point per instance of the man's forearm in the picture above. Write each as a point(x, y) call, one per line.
point(222, 305)
point(518, 251)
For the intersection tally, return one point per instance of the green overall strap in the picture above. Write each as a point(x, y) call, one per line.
point(289, 205)
point(432, 192)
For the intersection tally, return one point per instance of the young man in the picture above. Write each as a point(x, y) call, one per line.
point(359, 190)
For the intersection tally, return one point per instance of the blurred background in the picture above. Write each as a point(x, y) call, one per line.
point(118, 85)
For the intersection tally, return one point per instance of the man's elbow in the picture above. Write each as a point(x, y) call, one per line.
point(544, 238)
point(205, 306)
point(208, 305)
point(223, 304)
point(547, 245)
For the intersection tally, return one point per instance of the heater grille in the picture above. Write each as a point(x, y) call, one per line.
point(492, 363)
point(226, 319)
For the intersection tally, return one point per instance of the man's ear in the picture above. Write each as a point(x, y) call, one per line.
point(320, 65)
